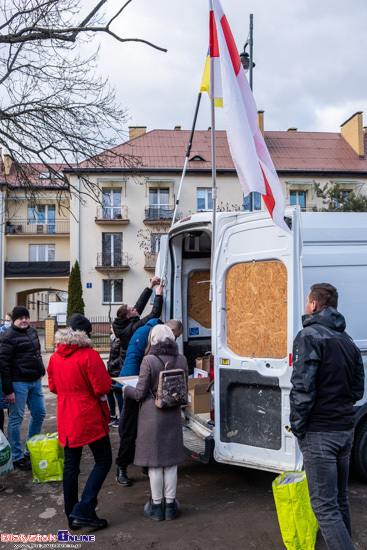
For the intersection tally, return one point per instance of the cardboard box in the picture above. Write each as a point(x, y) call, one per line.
point(198, 397)
point(203, 363)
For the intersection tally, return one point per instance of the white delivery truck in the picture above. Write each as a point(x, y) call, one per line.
point(261, 277)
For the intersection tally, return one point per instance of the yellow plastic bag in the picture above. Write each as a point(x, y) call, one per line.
point(297, 521)
point(47, 458)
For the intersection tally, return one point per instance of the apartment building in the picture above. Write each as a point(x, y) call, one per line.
point(115, 231)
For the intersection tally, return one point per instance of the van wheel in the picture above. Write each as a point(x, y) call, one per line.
point(359, 452)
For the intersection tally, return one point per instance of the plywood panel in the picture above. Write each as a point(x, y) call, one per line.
point(199, 306)
point(256, 302)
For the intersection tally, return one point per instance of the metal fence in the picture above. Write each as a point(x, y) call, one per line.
point(101, 332)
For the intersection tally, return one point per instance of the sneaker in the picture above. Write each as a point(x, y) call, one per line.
point(145, 471)
point(122, 478)
point(115, 424)
point(171, 510)
point(2, 488)
point(23, 464)
point(153, 511)
point(112, 420)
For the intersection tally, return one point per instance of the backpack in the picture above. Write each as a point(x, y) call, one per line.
point(172, 387)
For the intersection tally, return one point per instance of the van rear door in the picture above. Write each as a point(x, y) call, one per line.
point(256, 310)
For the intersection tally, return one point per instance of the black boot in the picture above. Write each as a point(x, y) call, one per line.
point(122, 478)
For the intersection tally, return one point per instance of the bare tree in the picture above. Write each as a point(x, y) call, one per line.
point(55, 111)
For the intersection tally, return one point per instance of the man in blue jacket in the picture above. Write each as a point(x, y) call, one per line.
point(327, 379)
point(129, 419)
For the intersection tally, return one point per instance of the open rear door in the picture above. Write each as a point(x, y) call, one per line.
point(256, 310)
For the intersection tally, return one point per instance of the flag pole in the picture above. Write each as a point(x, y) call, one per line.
point(214, 178)
point(189, 146)
point(186, 159)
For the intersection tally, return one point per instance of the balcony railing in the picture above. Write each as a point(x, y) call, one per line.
point(36, 269)
point(155, 213)
point(113, 261)
point(150, 260)
point(24, 227)
point(112, 214)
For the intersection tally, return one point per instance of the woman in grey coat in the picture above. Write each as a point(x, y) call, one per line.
point(159, 443)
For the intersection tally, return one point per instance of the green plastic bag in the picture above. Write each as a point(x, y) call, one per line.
point(297, 521)
point(47, 458)
point(6, 463)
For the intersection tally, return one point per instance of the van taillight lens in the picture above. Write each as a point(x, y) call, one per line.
point(211, 373)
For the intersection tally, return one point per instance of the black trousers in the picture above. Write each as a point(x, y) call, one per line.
point(128, 430)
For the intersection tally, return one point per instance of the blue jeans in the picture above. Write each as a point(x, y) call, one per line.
point(111, 396)
point(326, 460)
point(85, 508)
point(30, 394)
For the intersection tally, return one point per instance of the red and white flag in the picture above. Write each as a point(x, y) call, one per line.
point(250, 155)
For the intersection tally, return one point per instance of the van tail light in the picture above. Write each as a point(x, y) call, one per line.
point(211, 374)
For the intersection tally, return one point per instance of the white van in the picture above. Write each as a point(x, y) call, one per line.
point(261, 277)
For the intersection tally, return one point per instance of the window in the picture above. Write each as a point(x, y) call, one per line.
point(112, 291)
point(112, 249)
point(344, 195)
point(155, 243)
point(42, 214)
point(158, 197)
point(252, 201)
point(111, 204)
point(204, 199)
point(298, 197)
point(41, 252)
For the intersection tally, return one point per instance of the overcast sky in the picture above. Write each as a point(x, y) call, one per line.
point(310, 60)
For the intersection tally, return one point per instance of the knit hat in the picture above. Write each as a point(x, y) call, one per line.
point(79, 322)
point(19, 311)
point(160, 333)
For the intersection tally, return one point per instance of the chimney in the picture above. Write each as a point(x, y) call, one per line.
point(7, 164)
point(260, 121)
point(352, 132)
point(177, 127)
point(136, 131)
point(292, 129)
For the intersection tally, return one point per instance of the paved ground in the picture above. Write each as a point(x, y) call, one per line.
point(223, 507)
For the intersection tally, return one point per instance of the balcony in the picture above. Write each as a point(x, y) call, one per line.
point(24, 227)
point(115, 261)
point(155, 214)
point(36, 269)
point(150, 260)
point(112, 215)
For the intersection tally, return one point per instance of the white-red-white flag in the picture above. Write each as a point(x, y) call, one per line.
point(250, 155)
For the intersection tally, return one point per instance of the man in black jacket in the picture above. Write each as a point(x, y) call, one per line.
point(327, 379)
point(21, 369)
point(125, 325)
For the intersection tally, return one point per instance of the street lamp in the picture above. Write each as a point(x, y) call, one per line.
point(248, 64)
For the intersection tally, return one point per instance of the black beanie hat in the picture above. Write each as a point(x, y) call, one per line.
point(78, 322)
point(19, 311)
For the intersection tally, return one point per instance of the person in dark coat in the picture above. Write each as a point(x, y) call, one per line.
point(327, 379)
point(21, 369)
point(128, 321)
point(159, 443)
point(77, 374)
point(113, 368)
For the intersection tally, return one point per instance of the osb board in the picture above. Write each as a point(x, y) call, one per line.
point(256, 302)
point(198, 305)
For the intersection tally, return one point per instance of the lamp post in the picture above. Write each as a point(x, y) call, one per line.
point(248, 64)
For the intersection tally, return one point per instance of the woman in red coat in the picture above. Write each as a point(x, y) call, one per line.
point(77, 374)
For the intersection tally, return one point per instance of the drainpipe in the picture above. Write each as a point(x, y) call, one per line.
point(79, 224)
point(2, 240)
